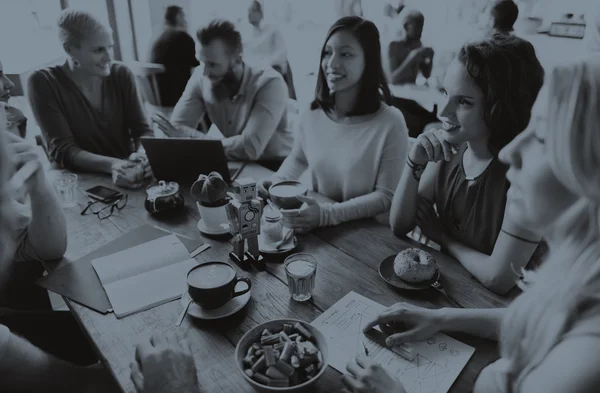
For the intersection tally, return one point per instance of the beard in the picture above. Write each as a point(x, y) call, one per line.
point(225, 87)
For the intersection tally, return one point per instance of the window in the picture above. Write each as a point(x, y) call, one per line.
point(29, 34)
point(140, 10)
point(94, 7)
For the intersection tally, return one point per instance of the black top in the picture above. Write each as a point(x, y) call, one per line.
point(472, 212)
point(70, 123)
point(175, 49)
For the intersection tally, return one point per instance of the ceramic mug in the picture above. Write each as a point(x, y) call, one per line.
point(212, 284)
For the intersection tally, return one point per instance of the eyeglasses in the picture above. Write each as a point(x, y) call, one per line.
point(107, 210)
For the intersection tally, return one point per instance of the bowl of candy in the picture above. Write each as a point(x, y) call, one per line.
point(283, 355)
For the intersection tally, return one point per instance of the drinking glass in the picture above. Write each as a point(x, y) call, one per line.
point(301, 270)
point(66, 185)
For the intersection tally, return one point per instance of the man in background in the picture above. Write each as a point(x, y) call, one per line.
point(407, 56)
point(176, 50)
point(246, 103)
point(503, 15)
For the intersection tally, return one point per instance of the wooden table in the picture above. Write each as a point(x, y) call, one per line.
point(348, 257)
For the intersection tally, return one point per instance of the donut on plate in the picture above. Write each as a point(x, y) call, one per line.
point(414, 265)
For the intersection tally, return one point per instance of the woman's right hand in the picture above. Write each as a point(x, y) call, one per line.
point(431, 146)
point(127, 174)
point(263, 188)
point(417, 323)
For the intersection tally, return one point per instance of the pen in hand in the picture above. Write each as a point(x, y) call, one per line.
point(366, 350)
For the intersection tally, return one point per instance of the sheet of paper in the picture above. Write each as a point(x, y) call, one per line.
point(435, 364)
point(142, 258)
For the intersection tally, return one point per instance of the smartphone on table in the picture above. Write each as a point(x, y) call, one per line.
point(103, 194)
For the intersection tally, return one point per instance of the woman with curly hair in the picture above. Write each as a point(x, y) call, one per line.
point(549, 337)
point(491, 87)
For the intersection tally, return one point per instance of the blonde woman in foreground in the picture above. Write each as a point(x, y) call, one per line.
point(549, 336)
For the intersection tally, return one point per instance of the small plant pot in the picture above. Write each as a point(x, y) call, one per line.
point(213, 217)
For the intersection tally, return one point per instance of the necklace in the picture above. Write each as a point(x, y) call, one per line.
point(479, 173)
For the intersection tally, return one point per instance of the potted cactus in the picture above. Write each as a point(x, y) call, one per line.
point(210, 194)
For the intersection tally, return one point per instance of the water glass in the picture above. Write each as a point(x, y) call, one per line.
point(66, 186)
point(301, 270)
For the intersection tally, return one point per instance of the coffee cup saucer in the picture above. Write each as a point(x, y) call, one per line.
point(230, 308)
point(222, 230)
point(269, 248)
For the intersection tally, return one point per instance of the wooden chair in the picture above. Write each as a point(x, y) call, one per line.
point(145, 76)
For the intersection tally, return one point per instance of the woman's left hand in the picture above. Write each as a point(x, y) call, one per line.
point(366, 376)
point(140, 156)
point(305, 219)
point(429, 222)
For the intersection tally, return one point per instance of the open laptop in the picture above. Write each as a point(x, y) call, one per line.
point(184, 159)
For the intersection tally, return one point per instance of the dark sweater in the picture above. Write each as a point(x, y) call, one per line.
point(398, 52)
point(71, 124)
point(176, 50)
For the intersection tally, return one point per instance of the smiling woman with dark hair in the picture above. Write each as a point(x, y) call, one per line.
point(350, 143)
point(491, 88)
point(372, 87)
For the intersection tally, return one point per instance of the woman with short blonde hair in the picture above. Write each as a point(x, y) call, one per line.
point(550, 335)
point(88, 108)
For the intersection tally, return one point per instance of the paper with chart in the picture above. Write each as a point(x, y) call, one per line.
point(435, 364)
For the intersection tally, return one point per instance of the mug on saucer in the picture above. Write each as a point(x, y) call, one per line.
point(212, 284)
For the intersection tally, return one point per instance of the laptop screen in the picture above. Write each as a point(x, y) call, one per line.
point(184, 159)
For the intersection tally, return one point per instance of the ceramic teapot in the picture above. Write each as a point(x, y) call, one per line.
point(162, 197)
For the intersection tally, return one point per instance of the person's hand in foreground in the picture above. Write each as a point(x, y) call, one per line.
point(22, 153)
point(403, 322)
point(366, 376)
point(164, 364)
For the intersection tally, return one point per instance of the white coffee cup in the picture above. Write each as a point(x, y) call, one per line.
point(213, 217)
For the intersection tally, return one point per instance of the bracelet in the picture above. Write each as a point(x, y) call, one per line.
point(417, 169)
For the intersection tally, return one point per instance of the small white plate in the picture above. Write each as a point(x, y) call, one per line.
point(230, 308)
point(268, 248)
point(210, 231)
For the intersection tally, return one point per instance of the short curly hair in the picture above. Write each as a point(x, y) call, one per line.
point(223, 30)
point(509, 74)
point(505, 14)
point(76, 25)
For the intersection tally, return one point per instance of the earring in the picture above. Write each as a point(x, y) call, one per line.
point(75, 62)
